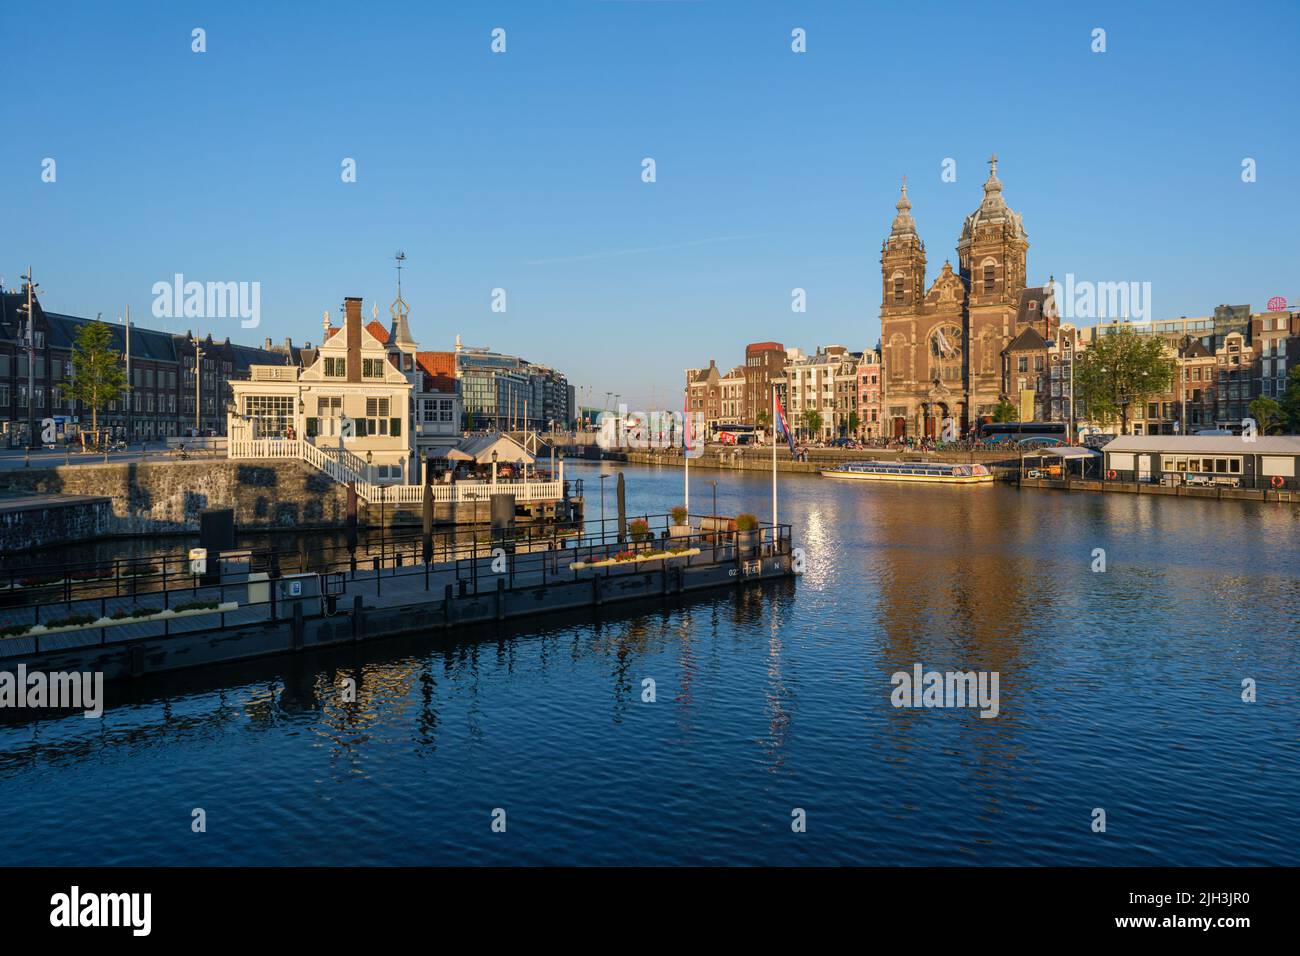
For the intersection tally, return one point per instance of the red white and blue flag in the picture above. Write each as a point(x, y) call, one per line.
point(781, 422)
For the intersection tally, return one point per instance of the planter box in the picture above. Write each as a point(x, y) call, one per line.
point(639, 559)
point(114, 621)
point(679, 531)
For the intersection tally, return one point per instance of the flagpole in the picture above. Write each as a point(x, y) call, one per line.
point(775, 534)
point(686, 441)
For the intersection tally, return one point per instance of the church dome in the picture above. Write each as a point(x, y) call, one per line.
point(993, 210)
point(904, 224)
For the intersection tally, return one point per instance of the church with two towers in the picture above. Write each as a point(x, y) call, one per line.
point(943, 346)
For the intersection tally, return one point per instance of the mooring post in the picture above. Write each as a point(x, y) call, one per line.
point(298, 626)
point(356, 617)
point(501, 599)
point(446, 605)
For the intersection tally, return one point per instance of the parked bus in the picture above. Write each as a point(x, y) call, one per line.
point(1024, 432)
point(732, 434)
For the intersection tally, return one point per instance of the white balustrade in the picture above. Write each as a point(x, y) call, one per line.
point(347, 468)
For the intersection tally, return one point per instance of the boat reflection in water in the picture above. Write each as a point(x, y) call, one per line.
point(917, 471)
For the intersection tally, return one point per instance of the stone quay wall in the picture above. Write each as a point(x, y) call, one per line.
point(168, 496)
point(34, 523)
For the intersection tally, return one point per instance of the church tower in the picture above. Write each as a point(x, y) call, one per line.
point(902, 263)
point(992, 256)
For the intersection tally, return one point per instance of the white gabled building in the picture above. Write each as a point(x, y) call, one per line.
point(351, 395)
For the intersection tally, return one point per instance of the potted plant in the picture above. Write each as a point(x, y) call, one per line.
point(680, 527)
point(639, 530)
point(746, 532)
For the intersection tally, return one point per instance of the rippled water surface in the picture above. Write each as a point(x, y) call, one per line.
point(1118, 690)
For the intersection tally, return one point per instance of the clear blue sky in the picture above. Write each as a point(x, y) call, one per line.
point(523, 170)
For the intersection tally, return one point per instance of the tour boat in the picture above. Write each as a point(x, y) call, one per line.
point(943, 472)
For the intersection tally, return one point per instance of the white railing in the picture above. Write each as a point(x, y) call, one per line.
point(347, 469)
point(354, 462)
point(466, 492)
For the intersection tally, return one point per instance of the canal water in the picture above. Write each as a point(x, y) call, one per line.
point(1120, 690)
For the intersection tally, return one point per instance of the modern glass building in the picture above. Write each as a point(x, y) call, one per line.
point(506, 393)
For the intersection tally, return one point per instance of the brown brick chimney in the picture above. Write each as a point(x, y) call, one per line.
point(352, 329)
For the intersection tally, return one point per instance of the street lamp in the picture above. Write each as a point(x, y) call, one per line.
point(29, 310)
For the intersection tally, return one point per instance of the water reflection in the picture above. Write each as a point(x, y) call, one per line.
point(1118, 689)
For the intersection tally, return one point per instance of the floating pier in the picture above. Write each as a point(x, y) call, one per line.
point(147, 616)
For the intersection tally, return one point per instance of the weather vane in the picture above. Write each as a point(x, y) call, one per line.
point(399, 306)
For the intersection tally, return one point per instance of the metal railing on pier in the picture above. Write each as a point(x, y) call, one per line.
point(79, 604)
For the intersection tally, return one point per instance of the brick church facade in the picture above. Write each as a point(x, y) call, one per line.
point(943, 346)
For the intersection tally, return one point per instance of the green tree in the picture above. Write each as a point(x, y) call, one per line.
point(1119, 370)
point(98, 374)
point(1268, 415)
point(1006, 412)
point(812, 420)
point(1290, 403)
point(763, 418)
point(853, 423)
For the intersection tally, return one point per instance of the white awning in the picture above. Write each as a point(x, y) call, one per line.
point(1071, 451)
point(449, 453)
